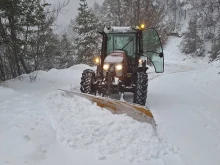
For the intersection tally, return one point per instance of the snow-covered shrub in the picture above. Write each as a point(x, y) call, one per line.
point(215, 52)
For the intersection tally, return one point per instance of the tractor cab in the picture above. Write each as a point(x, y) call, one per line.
point(123, 39)
point(136, 43)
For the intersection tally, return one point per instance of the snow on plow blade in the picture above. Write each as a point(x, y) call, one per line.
point(135, 111)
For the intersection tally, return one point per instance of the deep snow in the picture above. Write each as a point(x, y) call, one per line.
point(41, 125)
point(103, 133)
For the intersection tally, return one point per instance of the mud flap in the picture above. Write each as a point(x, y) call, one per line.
point(137, 112)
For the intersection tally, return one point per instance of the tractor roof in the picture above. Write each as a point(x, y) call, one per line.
point(117, 29)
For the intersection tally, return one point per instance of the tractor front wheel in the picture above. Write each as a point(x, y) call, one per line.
point(87, 80)
point(141, 89)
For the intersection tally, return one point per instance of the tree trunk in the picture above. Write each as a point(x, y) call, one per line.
point(11, 61)
point(14, 37)
point(36, 61)
point(2, 71)
point(24, 65)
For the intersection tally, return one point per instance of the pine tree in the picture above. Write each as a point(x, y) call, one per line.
point(87, 38)
point(107, 16)
point(67, 57)
point(18, 22)
point(51, 51)
point(118, 13)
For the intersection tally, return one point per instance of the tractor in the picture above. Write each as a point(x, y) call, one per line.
point(123, 63)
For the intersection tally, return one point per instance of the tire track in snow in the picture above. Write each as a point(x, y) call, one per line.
point(181, 69)
point(218, 146)
point(206, 93)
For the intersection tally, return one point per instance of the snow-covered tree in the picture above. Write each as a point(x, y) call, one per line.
point(106, 16)
point(176, 11)
point(18, 21)
point(86, 39)
point(27, 40)
point(67, 57)
point(132, 13)
point(167, 17)
point(192, 42)
point(215, 50)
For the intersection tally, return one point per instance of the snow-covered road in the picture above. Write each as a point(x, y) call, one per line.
point(188, 115)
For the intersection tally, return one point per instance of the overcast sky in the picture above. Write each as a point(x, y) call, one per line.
point(71, 10)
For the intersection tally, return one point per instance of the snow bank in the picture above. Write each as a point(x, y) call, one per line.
point(118, 29)
point(6, 93)
point(81, 125)
point(216, 64)
point(172, 53)
point(113, 59)
point(208, 80)
point(48, 81)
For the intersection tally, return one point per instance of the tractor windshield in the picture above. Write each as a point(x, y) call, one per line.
point(124, 42)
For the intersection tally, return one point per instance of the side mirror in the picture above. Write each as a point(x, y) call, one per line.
point(161, 55)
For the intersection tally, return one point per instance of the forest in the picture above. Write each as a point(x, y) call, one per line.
point(28, 41)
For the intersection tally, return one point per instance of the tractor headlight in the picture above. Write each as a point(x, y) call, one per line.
point(97, 60)
point(140, 61)
point(106, 66)
point(119, 67)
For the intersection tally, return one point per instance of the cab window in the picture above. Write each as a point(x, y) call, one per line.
point(124, 42)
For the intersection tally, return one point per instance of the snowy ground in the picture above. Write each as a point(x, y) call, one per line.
point(40, 125)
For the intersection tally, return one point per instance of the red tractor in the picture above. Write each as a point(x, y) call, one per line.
point(122, 66)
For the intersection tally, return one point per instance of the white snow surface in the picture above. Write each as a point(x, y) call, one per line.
point(41, 125)
point(101, 132)
point(118, 29)
point(113, 59)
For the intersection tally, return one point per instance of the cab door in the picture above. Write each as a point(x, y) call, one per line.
point(153, 50)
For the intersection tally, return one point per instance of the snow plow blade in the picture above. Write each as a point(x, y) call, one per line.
point(135, 111)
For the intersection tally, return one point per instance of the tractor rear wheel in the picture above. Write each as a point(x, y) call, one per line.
point(141, 89)
point(87, 80)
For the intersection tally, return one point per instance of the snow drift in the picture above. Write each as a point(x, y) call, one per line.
point(81, 125)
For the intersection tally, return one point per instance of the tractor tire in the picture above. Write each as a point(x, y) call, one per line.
point(141, 89)
point(87, 80)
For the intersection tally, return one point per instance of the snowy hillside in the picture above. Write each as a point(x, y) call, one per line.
point(41, 125)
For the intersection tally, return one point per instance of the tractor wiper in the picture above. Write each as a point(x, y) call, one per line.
point(127, 44)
